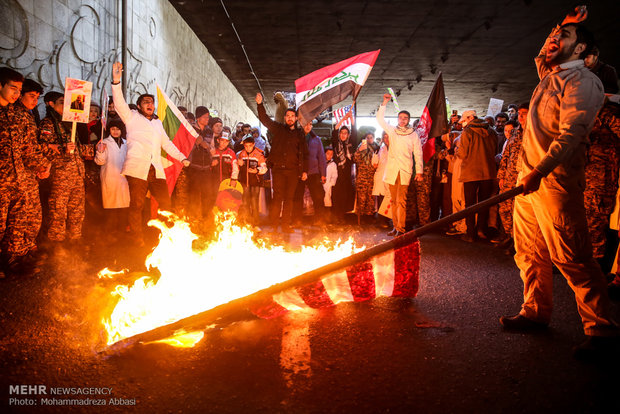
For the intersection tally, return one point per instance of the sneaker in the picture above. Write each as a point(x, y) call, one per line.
point(597, 348)
point(392, 233)
point(520, 323)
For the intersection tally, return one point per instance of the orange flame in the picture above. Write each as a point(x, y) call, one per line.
point(192, 281)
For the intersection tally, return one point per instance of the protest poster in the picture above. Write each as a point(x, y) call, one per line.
point(495, 107)
point(77, 100)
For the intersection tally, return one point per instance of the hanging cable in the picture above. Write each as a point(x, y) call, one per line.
point(247, 58)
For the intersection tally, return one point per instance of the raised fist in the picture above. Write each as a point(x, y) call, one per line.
point(117, 71)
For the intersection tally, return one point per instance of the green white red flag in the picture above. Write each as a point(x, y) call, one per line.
point(327, 86)
point(180, 132)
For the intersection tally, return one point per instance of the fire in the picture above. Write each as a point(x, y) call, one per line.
point(191, 281)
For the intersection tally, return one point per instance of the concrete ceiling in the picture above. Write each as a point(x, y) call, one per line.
point(484, 48)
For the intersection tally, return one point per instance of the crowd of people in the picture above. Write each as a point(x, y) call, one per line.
point(49, 180)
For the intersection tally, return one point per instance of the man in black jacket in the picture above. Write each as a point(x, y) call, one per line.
point(288, 161)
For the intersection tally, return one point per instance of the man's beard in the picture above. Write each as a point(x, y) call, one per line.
point(562, 56)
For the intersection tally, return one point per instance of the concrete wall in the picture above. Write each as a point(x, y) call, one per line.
point(48, 40)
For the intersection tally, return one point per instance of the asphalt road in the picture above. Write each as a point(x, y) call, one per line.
point(442, 352)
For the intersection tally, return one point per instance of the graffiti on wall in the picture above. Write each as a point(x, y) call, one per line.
point(69, 53)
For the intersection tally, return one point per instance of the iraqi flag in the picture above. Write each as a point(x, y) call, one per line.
point(394, 273)
point(434, 120)
point(327, 86)
point(180, 132)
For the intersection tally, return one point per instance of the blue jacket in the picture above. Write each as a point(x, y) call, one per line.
point(317, 164)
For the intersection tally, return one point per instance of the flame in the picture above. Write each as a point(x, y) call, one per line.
point(110, 274)
point(182, 339)
point(191, 281)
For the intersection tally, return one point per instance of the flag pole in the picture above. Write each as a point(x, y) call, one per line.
point(203, 319)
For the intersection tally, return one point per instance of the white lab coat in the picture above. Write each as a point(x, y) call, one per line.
point(402, 147)
point(145, 140)
point(330, 181)
point(380, 187)
point(114, 187)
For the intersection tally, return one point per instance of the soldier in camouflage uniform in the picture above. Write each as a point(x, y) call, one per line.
point(507, 173)
point(419, 197)
point(28, 101)
point(602, 175)
point(18, 158)
point(66, 201)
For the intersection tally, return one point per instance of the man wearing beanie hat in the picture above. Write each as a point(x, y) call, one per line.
point(202, 124)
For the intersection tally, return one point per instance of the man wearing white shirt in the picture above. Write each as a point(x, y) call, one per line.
point(405, 146)
point(143, 168)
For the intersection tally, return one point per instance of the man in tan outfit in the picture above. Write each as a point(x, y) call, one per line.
point(550, 226)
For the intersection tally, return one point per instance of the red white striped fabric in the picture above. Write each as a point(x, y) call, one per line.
point(394, 273)
point(341, 112)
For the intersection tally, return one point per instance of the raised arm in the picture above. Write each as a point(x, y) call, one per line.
point(122, 109)
point(381, 113)
point(262, 114)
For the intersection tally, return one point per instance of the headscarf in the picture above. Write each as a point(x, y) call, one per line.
point(343, 150)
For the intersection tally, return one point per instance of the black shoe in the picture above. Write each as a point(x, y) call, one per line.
point(398, 233)
point(392, 233)
point(598, 348)
point(24, 265)
point(521, 323)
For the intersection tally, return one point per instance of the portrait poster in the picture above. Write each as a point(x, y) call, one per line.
point(77, 100)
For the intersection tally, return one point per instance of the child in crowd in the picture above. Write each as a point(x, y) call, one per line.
point(330, 182)
point(223, 165)
point(252, 164)
point(111, 153)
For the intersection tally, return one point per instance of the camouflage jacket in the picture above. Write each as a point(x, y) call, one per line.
point(508, 165)
point(53, 132)
point(603, 158)
point(20, 156)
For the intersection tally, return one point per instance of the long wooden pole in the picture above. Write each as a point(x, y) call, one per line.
point(208, 317)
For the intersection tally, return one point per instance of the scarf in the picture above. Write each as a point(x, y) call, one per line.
point(406, 130)
point(342, 151)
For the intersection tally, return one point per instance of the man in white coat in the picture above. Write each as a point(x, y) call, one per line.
point(405, 146)
point(145, 140)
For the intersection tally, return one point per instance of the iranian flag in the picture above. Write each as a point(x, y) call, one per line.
point(325, 87)
point(434, 120)
point(180, 132)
